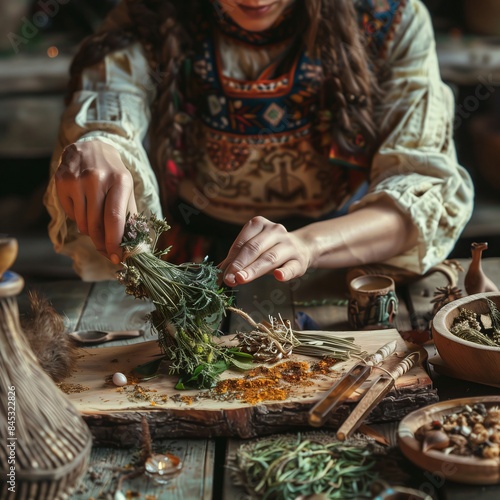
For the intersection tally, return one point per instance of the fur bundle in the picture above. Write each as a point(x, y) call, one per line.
point(46, 333)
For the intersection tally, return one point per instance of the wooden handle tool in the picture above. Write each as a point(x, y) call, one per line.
point(380, 387)
point(353, 379)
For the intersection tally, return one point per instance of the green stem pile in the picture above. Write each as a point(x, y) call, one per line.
point(288, 467)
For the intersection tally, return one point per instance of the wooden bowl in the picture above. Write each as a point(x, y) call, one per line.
point(467, 360)
point(469, 470)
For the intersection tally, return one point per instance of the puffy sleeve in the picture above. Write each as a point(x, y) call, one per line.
point(416, 164)
point(113, 106)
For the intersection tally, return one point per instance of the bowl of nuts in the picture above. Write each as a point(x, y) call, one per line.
point(466, 333)
point(458, 439)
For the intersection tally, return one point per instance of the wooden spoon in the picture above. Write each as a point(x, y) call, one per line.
point(100, 336)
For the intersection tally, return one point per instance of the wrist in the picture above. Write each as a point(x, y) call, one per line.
point(310, 244)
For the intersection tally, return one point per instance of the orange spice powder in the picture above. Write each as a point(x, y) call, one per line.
point(273, 383)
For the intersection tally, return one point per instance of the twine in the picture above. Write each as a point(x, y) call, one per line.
point(403, 366)
point(142, 247)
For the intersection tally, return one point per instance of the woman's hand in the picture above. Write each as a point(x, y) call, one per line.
point(96, 190)
point(263, 247)
point(373, 233)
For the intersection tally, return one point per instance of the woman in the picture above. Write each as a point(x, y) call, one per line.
point(310, 133)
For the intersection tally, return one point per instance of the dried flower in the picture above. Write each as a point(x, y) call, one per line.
point(444, 295)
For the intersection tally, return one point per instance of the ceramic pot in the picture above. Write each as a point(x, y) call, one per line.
point(475, 280)
point(373, 303)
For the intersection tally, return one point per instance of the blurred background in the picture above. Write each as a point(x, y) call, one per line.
point(39, 37)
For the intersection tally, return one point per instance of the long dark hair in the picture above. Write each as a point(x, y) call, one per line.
point(163, 27)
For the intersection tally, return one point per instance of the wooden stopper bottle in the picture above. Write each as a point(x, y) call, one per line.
point(475, 280)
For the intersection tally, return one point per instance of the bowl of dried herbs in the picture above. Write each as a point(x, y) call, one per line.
point(466, 333)
point(457, 439)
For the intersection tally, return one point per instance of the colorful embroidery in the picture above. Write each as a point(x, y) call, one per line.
point(256, 109)
point(266, 145)
point(378, 20)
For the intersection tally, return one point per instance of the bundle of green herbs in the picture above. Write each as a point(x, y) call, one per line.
point(189, 306)
point(481, 329)
point(292, 466)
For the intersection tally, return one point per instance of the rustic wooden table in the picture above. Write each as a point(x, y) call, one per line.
point(206, 472)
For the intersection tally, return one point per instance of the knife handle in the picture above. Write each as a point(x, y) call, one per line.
point(338, 394)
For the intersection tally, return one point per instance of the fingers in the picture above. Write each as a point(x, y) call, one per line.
point(250, 230)
point(288, 271)
point(106, 214)
point(260, 248)
point(115, 216)
point(66, 186)
point(96, 190)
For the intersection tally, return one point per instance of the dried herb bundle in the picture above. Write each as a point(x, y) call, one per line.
point(275, 340)
point(482, 329)
point(189, 304)
point(288, 467)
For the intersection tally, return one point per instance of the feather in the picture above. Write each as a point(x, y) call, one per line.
point(45, 331)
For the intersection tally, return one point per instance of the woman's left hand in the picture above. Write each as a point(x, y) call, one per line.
point(263, 247)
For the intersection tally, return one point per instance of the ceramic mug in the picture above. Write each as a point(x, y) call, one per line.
point(373, 303)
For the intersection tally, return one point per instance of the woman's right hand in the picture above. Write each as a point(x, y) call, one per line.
point(96, 190)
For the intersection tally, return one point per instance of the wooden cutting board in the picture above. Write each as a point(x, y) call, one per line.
point(114, 414)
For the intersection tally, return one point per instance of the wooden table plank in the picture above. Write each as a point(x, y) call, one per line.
point(232, 491)
point(194, 481)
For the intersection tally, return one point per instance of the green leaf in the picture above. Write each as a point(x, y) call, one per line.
point(239, 354)
point(148, 370)
point(192, 377)
point(196, 372)
point(203, 376)
point(242, 365)
point(219, 367)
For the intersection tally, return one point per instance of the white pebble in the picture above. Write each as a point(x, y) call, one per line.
point(119, 379)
